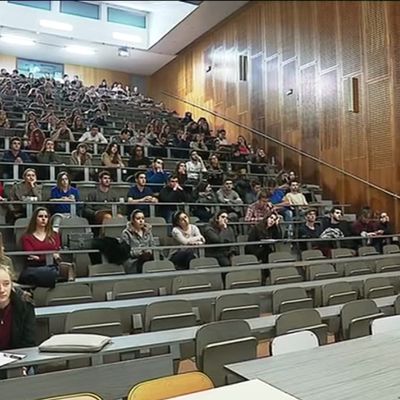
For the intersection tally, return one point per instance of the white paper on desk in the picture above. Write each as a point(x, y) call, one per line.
point(8, 358)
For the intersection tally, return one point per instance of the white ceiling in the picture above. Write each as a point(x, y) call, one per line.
point(171, 26)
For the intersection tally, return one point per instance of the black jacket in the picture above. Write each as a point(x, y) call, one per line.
point(23, 331)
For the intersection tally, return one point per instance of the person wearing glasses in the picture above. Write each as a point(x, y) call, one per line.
point(218, 231)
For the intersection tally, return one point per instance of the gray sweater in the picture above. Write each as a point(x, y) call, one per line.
point(137, 242)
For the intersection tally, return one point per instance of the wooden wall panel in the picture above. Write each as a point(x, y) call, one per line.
point(306, 36)
point(327, 23)
point(287, 29)
point(271, 27)
point(8, 62)
point(350, 30)
point(312, 47)
point(375, 40)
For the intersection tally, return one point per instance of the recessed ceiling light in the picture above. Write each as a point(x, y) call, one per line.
point(22, 41)
point(80, 50)
point(125, 37)
point(61, 26)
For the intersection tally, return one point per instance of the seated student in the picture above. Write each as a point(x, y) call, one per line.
point(172, 192)
point(111, 158)
point(14, 155)
point(63, 191)
point(61, 135)
point(17, 315)
point(382, 227)
point(80, 157)
point(138, 159)
point(334, 227)
point(156, 176)
point(256, 212)
point(97, 213)
point(218, 231)
point(93, 136)
point(309, 230)
point(268, 228)
point(27, 190)
point(226, 195)
point(47, 155)
point(40, 237)
point(137, 235)
point(185, 234)
point(203, 194)
point(140, 193)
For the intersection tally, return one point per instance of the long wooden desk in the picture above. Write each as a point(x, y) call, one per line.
point(360, 369)
point(173, 338)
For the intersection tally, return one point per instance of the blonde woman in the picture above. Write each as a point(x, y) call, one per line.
point(17, 314)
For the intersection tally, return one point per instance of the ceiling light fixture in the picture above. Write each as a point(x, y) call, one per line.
point(12, 39)
point(86, 51)
point(125, 37)
point(61, 26)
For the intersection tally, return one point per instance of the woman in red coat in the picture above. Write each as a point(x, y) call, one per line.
point(39, 236)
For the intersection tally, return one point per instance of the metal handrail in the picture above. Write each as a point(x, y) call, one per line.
point(283, 144)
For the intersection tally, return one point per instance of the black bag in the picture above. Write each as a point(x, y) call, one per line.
point(80, 241)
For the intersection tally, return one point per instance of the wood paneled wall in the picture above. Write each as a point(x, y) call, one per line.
point(94, 76)
point(309, 48)
point(7, 62)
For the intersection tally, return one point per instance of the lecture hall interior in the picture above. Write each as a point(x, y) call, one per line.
point(199, 200)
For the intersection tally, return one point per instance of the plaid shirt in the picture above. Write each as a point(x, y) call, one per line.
point(256, 212)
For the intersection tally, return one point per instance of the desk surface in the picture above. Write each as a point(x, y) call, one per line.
point(173, 337)
point(358, 369)
point(255, 389)
point(50, 311)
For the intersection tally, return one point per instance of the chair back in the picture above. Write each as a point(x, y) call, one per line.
point(321, 271)
point(308, 255)
point(290, 299)
point(203, 262)
point(367, 251)
point(76, 396)
point(237, 306)
point(301, 320)
point(106, 269)
point(281, 256)
point(101, 321)
point(356, 318)
point(244, 259)
point(243, 279)
point(337, 293)
point(169, 314)
point(196, 283)
point(378, 287)
point(158, 266)
point(133, 289)
point(296, 341)
point(114, 231)
point(71, 293)
point(284, 275)
point(385, 324)
point(171, 386)
point(223, 342)
point(391, 249)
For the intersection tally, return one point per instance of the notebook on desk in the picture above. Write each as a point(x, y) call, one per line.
point(8, 358)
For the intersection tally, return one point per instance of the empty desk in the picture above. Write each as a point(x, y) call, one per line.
point(360, 369)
